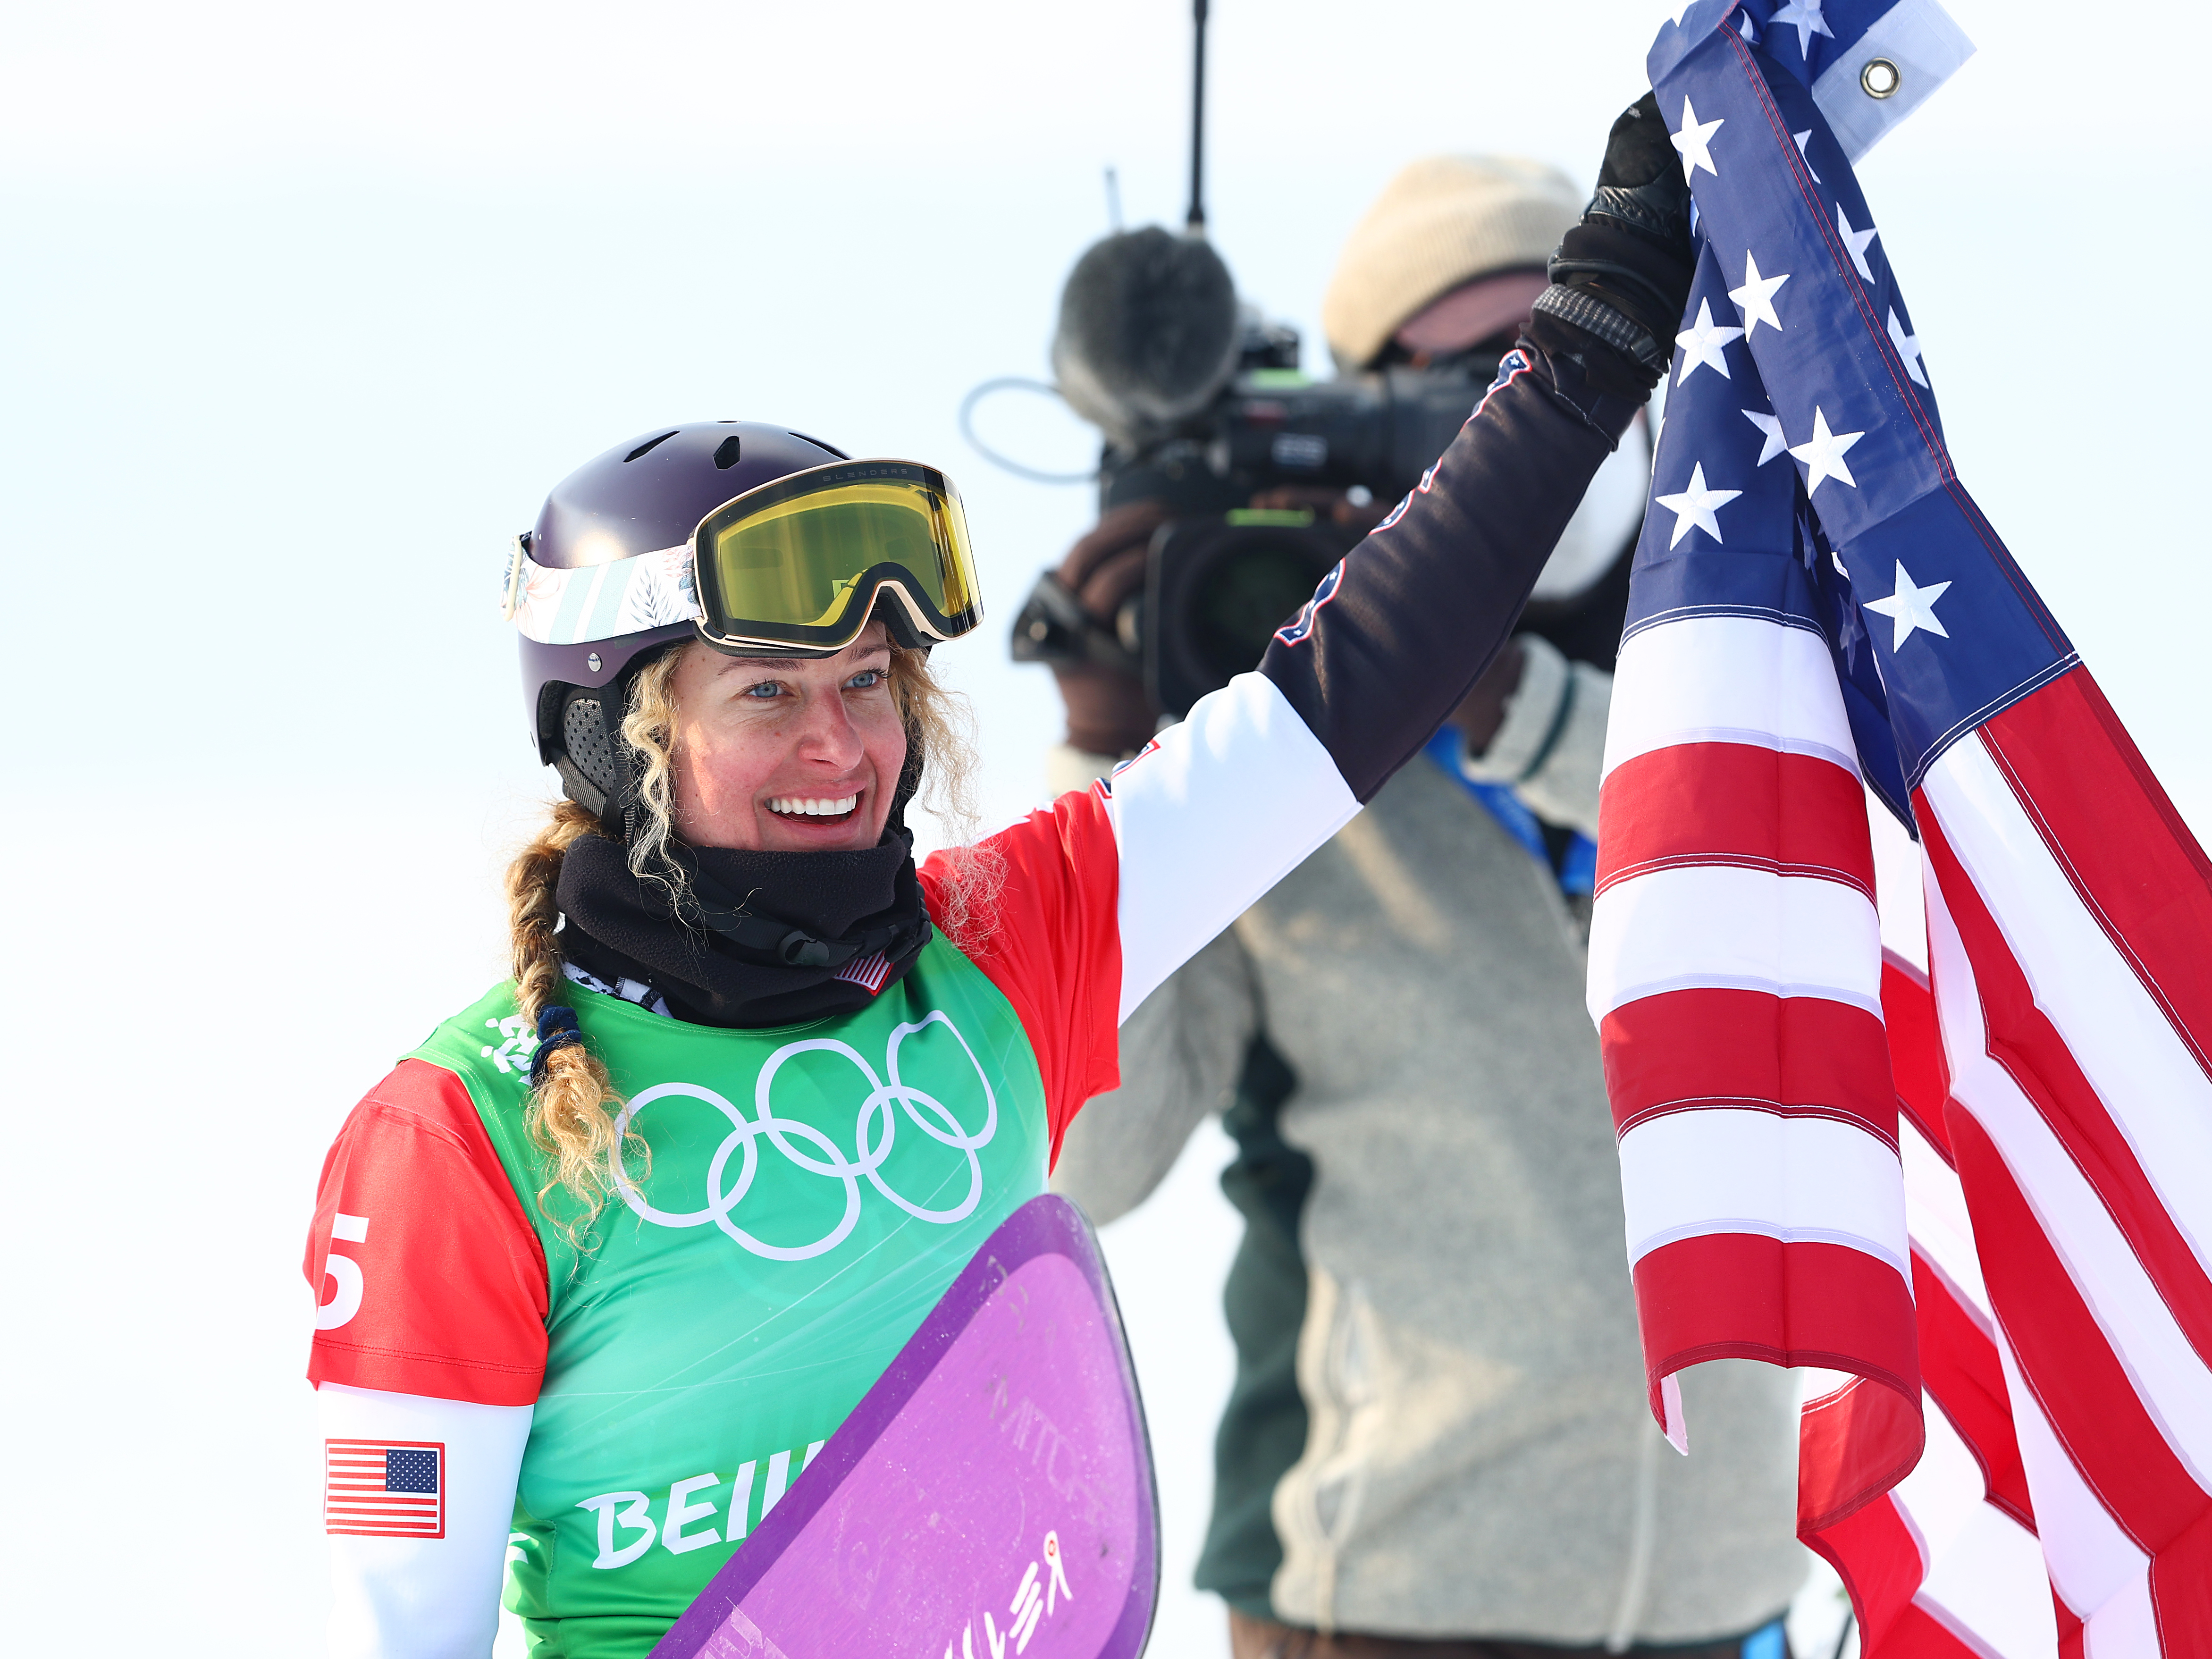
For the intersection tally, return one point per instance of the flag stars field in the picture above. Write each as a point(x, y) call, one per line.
point(1755, 299)
point(1911, 609)
point(1695, 141)
point(1704, 344)
point(1823, 453)
point(1695, 506)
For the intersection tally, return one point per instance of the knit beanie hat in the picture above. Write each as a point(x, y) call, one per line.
point(1441, 222)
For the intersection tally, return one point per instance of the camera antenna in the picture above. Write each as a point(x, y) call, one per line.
point(1193, 222)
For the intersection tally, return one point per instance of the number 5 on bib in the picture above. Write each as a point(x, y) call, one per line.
point(992, 1494)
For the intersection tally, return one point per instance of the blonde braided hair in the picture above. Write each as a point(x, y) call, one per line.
point(575, 1108)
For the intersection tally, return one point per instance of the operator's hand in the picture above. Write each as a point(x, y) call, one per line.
point(1622, 276)
point(1323, 503)
point(1107, 712)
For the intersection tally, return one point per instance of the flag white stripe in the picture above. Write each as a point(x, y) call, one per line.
point(2155, 1091)
point(1935, 1215)
point(2093, 1563)
point(1728, 680)
point(2169, 1379)
point(1945, 1488)
point(1990, 1588)
point(2125, 1627)
point(1730, 927)
point(1690, 1175)
point(1984, 1577)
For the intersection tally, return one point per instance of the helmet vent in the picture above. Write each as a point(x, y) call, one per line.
point(649, 443)
point(584, 732)
point(726, 453)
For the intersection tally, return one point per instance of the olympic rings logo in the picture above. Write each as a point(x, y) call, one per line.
point(875, 1131)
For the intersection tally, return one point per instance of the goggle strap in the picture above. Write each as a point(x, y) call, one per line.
point(603, 601)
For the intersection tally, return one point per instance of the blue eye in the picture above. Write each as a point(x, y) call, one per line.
point(765, 689)
point(866, 680)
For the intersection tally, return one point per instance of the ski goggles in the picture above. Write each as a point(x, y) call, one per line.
point(801, 563)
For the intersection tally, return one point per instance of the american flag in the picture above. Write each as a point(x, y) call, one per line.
point(1986, 1187)
point(385, 1488)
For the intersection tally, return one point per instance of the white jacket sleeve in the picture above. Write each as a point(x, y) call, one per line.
point(420, 1597)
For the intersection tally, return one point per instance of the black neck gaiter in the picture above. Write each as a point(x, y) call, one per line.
point(622, 926)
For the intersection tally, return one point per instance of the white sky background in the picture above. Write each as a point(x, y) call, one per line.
point(301, 312)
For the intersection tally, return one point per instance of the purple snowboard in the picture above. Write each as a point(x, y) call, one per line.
point(992, 1495)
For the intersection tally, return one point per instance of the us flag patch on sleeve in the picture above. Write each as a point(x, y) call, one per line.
point(385, 1488)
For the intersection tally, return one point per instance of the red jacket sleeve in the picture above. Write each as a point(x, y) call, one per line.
point(1051, 942)
point(427, 1277)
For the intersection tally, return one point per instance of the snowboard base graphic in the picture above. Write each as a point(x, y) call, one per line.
point(992, 1495)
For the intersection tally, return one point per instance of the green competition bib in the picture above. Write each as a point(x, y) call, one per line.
point(810, 1193)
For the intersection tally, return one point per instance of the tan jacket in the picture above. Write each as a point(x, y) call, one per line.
point(1480, 1460)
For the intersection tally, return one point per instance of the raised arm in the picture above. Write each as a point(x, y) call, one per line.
point(1111, 890)
point(1219, 808)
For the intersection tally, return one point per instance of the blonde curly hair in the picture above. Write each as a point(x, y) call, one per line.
point(575, 1113)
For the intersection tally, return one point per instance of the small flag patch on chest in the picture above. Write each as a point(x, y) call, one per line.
point(385, 1488)
point(868, 972)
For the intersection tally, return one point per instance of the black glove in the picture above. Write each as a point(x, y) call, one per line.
point(1108, 711)
point(1622, 276)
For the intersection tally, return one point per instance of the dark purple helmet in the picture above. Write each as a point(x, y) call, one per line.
point(641, 496)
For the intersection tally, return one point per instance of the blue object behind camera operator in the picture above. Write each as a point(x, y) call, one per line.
point(1438, 1441)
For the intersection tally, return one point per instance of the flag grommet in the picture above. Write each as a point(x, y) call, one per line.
point(1880, 78)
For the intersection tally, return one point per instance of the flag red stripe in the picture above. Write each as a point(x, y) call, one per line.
point(2141, 874)
point(2181, 1592)
point(1684, 1049)
point(1916, 1048)
point(2063, 1354)
point(1959, 1365)
point(1743, 1295)
point(2070, 1630)
point(1734, 803)
point(2022, 1039)
point(395, 1513)
point(1875, 1554)
point(1802, 1302)
point(1851, 1445)
point(1918, 1634)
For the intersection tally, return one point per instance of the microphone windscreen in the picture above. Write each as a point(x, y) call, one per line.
point(1149, 332)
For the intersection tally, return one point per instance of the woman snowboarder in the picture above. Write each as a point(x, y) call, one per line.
point(606, 1259)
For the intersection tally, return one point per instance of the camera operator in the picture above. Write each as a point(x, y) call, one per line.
point(1438, 1441)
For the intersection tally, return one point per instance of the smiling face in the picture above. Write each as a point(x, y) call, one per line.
point(797, 755)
